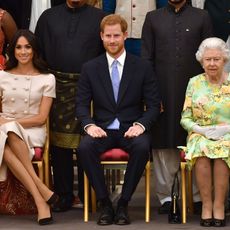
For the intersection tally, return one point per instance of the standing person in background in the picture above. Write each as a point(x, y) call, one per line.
point(219, 12)
point(198, 3)
point(134, 13)
point(162, 3)
point(37, 7)
point(69, 35)
point(57, 2)
point(96, 3)
point(32, 9)
point(7, 31)
point(170, 38)
point(109, 6)
point(19, 10)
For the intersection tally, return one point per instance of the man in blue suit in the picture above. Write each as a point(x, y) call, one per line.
point(118, 120)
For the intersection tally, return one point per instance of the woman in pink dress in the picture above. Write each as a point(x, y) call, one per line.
point(26, 92)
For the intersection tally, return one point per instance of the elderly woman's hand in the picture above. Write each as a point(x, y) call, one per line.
point(203, 130)
point(218, 132)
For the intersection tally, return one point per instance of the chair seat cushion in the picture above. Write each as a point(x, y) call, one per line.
point(38, 154)
point(115, 155)
point(182, 156)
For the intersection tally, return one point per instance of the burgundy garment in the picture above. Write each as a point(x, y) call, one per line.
point(14, 198)
point(2, 41)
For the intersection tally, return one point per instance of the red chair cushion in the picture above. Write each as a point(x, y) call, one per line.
point(115, 155)
point(182, 156)
point(38, 153)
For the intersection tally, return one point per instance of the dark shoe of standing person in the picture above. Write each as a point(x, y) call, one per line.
point(121, 216)
point(165, 208)
point(106, 215)
point(77, 203)
point(62, 205)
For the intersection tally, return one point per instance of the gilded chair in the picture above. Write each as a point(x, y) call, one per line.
point(116, 158)
point(186, 175)
point(41, 159)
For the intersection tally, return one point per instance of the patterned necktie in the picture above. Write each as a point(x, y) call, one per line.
point(115, 79)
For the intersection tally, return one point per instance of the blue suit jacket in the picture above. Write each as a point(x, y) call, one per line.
point(219, 12)
point(138, 87)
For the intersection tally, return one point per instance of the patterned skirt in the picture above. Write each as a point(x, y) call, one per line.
point(64, 126)
point(200, 146)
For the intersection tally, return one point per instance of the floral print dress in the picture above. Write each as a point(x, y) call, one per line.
point(206, 104)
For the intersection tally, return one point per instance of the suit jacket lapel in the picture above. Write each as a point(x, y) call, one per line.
point(127, 76)
point(105, 78)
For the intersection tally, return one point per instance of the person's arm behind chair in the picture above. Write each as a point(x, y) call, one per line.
point(8, 26)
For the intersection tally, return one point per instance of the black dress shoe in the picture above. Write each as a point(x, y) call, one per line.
point(219, 223)
point(106, 216)
point(206, 222)
point(53, 199)
point(165, 208)
point(61, 205)
point(121, 216)
point(45, 221)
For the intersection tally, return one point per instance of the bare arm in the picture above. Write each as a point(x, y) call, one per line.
point(41, 117)
point(8, 26)
point(36, 120)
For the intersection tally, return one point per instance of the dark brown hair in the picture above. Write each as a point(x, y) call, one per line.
point(38, 62)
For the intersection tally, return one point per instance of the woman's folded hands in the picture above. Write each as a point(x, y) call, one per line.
point(215, 132)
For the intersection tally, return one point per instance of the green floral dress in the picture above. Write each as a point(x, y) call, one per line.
point(206, 104)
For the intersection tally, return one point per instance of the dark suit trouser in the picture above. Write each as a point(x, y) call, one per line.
point(63, 174)
point(89, 154)
point(62, 162)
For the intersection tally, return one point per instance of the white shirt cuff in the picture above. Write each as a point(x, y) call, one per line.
point(137, 123)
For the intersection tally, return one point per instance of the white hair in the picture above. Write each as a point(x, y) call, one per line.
point(213, 43)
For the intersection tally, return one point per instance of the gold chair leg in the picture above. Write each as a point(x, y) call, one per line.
point(190, 192)
point(86, 198)
point(94, 201)
point(147, 192)
point(183, 191)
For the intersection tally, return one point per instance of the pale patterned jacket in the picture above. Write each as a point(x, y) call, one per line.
point(134, 11)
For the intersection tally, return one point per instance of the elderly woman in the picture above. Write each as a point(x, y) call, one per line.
point(206, 117)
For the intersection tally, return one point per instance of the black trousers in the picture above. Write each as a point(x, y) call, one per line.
point(63, 174)
point(89, 154)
